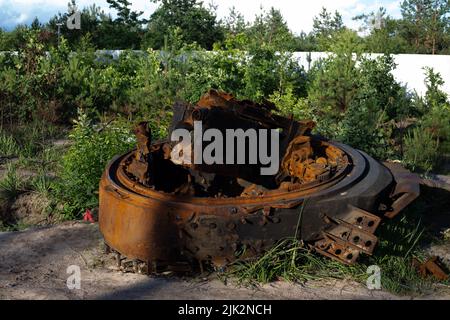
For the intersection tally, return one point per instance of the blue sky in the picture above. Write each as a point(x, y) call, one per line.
point(298, 14)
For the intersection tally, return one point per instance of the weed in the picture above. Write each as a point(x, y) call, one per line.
point(42, 184)
point(8, 145)
point(12, 184)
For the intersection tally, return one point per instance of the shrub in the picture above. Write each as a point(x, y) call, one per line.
point(153, 89)
point(426, 145)
point(356, 99)
point(378, 102)
point(335, 80)
point(366, 128)
point(289, 104)
point(436, 117)
point(420, 149)
point(434, 95)
point(378, 83)
point(437, 122)
point(82, 166)
point(266, 70)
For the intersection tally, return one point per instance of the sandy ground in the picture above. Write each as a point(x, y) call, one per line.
point(34, 262)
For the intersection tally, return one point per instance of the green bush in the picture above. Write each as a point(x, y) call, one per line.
point(290, 104)
point(437, 122)
point(436, 116)
point(368, 123)
point(356, 99)
point(427, 144)
point(83, 164)
point(367, 128)
point(420, 149)
point(35, 85)
point(352, 98)
point(267, 71)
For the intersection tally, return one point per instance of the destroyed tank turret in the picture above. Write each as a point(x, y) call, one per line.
point(160, 207)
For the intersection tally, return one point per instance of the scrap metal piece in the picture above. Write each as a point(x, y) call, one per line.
point(338, 250)
point(144, 140)
point(361, 219)
point(431, 266)
point(349, 236)
point(406, 190)
point(139, 165)
point(221, 111)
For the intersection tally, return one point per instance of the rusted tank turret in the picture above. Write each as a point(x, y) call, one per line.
point(158, 209)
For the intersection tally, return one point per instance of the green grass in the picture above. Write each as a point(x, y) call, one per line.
point(47, 160)
point(28, 141)
point(12, 183)
point(32, 145)
point(8, 145)
point(41, 184)
point(290, 260)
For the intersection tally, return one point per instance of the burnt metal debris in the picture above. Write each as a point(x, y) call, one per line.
point(164, 214)
point(431, 266)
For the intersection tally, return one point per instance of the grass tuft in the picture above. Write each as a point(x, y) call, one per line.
point(12, 184)
point(42, 184)
point(8, 145)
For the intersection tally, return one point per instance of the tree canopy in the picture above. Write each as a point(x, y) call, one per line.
point(424, 27)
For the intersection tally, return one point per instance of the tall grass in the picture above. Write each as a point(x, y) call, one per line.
point(8, 145)
point(12, 183)
point(41, 184)
point(292, 261)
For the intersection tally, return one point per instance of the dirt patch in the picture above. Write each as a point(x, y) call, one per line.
point(442, 251)
point(34, 262)
point(26, 210)
point(61, 143)
point(30, 209)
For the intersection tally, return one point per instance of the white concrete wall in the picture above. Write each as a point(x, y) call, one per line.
point(409, 69)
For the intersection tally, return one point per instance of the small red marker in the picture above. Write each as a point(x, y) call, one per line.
point(88, 216)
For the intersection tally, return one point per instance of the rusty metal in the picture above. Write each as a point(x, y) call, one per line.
point(351, 234)
point(431, 266)
point(406, 190)
point(172, 215)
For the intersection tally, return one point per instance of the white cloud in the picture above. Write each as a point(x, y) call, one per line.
point(22, 18)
